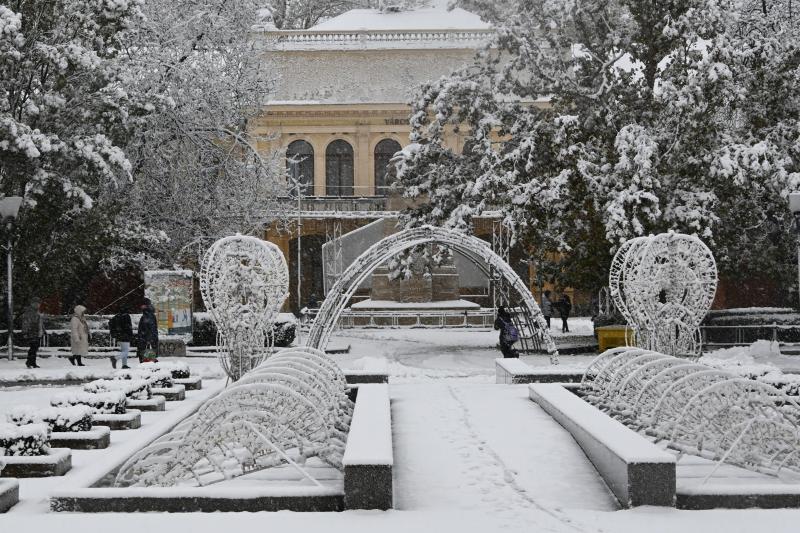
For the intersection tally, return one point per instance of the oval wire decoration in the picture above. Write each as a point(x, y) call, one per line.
point(244, 282)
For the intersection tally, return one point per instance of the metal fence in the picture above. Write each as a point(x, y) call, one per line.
point(742, 335)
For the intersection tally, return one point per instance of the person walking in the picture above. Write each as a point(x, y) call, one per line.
point(121, 329)
point(508, 333)
point(79, 336)
point(147, 332)
point(32, 331)
point(565, 307)
point(547, 307)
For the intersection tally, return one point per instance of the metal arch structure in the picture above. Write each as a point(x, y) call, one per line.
point(290, 408)
point(529, 319)
point(696, 409)
point(664, 285)
point(244, 282)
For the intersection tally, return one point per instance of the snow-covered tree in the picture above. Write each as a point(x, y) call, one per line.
point(591, 122)
point(198, 174)
point(65, 115)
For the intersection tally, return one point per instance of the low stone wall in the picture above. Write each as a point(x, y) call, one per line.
point(192, 500)
point(9, 494)
point(738, 497)
point(636, 471)
point(368, 457)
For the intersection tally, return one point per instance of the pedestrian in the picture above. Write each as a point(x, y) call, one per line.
point(121, 329)
point(508, 333)
point(148, 333)
point(79, 336)
point(547, 307)
point(33, 331)
point(564, 307)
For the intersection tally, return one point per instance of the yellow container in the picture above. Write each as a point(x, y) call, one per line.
point(614, 336)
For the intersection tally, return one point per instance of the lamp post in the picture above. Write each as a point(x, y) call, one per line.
point(9, 208)
point(794, 207)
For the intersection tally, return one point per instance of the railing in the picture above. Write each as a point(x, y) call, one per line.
point(483, 318)
point(742, 335)
point(310, 39)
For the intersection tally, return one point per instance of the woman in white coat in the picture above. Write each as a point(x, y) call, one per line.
point(79, 338)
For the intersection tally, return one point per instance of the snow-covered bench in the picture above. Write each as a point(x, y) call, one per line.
point(368, 457)
point(636, 471)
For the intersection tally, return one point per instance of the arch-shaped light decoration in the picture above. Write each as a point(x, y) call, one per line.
point(664, 285)
point(244, 282)
point(696, 409)
point(290, 408)
point(529, 319)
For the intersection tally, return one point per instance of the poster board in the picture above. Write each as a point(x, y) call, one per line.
point(171, 292)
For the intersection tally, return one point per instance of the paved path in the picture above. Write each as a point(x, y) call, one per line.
point(467, 446)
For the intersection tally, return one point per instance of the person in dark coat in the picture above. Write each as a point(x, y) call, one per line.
point(32, 331)
point(121, 329)
point(148, 331)
point(508, 332)
point(564, 307)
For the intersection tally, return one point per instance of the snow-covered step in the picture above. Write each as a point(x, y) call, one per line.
point(9, 494)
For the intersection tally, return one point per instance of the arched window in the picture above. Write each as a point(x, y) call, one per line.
point(384, 151)
point(300, 165)
point(339, 169)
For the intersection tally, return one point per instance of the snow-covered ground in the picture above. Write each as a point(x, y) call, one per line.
point(470, 456)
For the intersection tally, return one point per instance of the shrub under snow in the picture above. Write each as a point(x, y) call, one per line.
point(101, 402)
point(134, 389)
point(156, 376)
point(29, 439)
point(58, 419)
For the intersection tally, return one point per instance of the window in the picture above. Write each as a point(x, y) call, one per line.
point(300, 165)
point(339, 169)
point(384, 151)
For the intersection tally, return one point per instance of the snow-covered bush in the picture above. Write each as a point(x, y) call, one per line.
point(29, 439)
point(155, 375)
point(789, 384)
point(134, 389)
point(58, 419)
point(178, 369)
point(101, 402)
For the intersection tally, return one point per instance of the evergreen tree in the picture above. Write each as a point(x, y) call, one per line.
point(591, 122)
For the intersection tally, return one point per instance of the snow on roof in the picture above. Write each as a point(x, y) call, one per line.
point(417, 19)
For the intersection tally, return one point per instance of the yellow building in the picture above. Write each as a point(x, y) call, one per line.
point(340, 111)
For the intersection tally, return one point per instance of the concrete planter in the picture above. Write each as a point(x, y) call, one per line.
point(129, 420)
point(176, 393)
point(190, 383)
point(57, 462)
point(97, 439)
point(156, 403)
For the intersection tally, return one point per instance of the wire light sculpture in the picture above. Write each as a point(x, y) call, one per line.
point(244, 282)
point(664, 285)
point(290, 408)
point(696, 409)
point(528, 319)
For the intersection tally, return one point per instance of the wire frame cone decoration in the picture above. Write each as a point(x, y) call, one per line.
point(244, 282)
point(664, 285)
point(292, 408)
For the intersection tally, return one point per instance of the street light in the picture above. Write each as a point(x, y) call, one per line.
point(9, 209)
point(794, 207)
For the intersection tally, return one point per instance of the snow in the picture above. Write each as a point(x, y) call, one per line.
point(370, 439)
point(469, 456)
point(418, 19)
point(514, 366)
